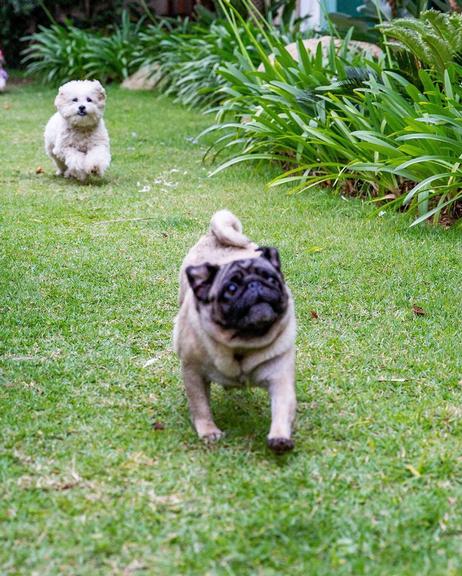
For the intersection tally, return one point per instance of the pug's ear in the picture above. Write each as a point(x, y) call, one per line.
point(200, 279)
point(100, 90)
point(272, 255)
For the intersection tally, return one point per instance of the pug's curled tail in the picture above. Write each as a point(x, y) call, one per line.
point(228, 229)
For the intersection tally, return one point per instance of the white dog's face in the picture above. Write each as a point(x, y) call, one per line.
point(81, 102)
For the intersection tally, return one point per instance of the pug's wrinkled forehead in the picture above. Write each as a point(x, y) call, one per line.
point(269, 259)
point(206, 279)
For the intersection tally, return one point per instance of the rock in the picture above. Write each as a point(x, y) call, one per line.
point(311, 45)
point(146, 78)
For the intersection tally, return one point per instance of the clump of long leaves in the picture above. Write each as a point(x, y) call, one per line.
point(391, 141)
point(59, 53)
point(151, 39)
point(65, 52)
point(186, 55)
point(190, 58)
point(112, 57)
point(362, 129)
point(434, 39)
point(374, 12)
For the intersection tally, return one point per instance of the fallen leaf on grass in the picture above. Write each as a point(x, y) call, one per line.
point(314, 314)
point(390, 379)
point(159, 356)
point(418, 311)
point(413, 471)
point(39, 170)
point(7, 106)
point(314, 249)
point(150, 362)
point(156, 425)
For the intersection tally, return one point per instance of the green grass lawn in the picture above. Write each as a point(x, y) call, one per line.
point(88, 293)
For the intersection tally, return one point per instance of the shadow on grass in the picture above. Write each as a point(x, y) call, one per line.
point(92, 181)
point(244, 412)
point(244, 415)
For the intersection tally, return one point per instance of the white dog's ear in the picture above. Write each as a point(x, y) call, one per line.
point(100, 90)
point(59, 98)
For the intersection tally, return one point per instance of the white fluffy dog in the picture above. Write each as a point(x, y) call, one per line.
point(76, 137)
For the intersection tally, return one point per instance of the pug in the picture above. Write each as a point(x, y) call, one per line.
point(236, 326)
point(75, 136)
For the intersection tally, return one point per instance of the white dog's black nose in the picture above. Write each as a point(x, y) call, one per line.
point(82, 108)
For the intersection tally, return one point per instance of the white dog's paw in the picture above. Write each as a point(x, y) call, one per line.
point(97, 170)
point(96, 166)
point(77, 174)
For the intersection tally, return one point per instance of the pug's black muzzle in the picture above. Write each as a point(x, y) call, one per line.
point(257, 308)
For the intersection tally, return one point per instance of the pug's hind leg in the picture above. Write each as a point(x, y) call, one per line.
point(198, 393)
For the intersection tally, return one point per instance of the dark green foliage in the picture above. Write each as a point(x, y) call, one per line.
point(58, 53)
point(435, 39)
point(113, 57)
point(361, 130)
point(24, 17)
point(332, 117)
point(190, 61)
point(374, 12)
point(14, 17)
point(61, 53)
point(187, 54)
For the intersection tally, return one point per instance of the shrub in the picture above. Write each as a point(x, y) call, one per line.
point(113, 57)
point(362, 129)
point(395, 143)
point(21, 17)
point(191, 61)
point(190, 55)
point(434, 40)
point(61, 53)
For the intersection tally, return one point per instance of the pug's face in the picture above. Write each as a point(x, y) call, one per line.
point(81, 102)
point(245, 297)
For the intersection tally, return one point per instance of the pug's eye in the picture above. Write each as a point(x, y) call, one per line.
point(268, 277)
point(75, 99)
point(89, 99)
point(231, 288)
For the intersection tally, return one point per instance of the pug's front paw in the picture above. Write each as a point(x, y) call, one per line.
point(280, 445)
point(209, 433)
point(213, 437)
